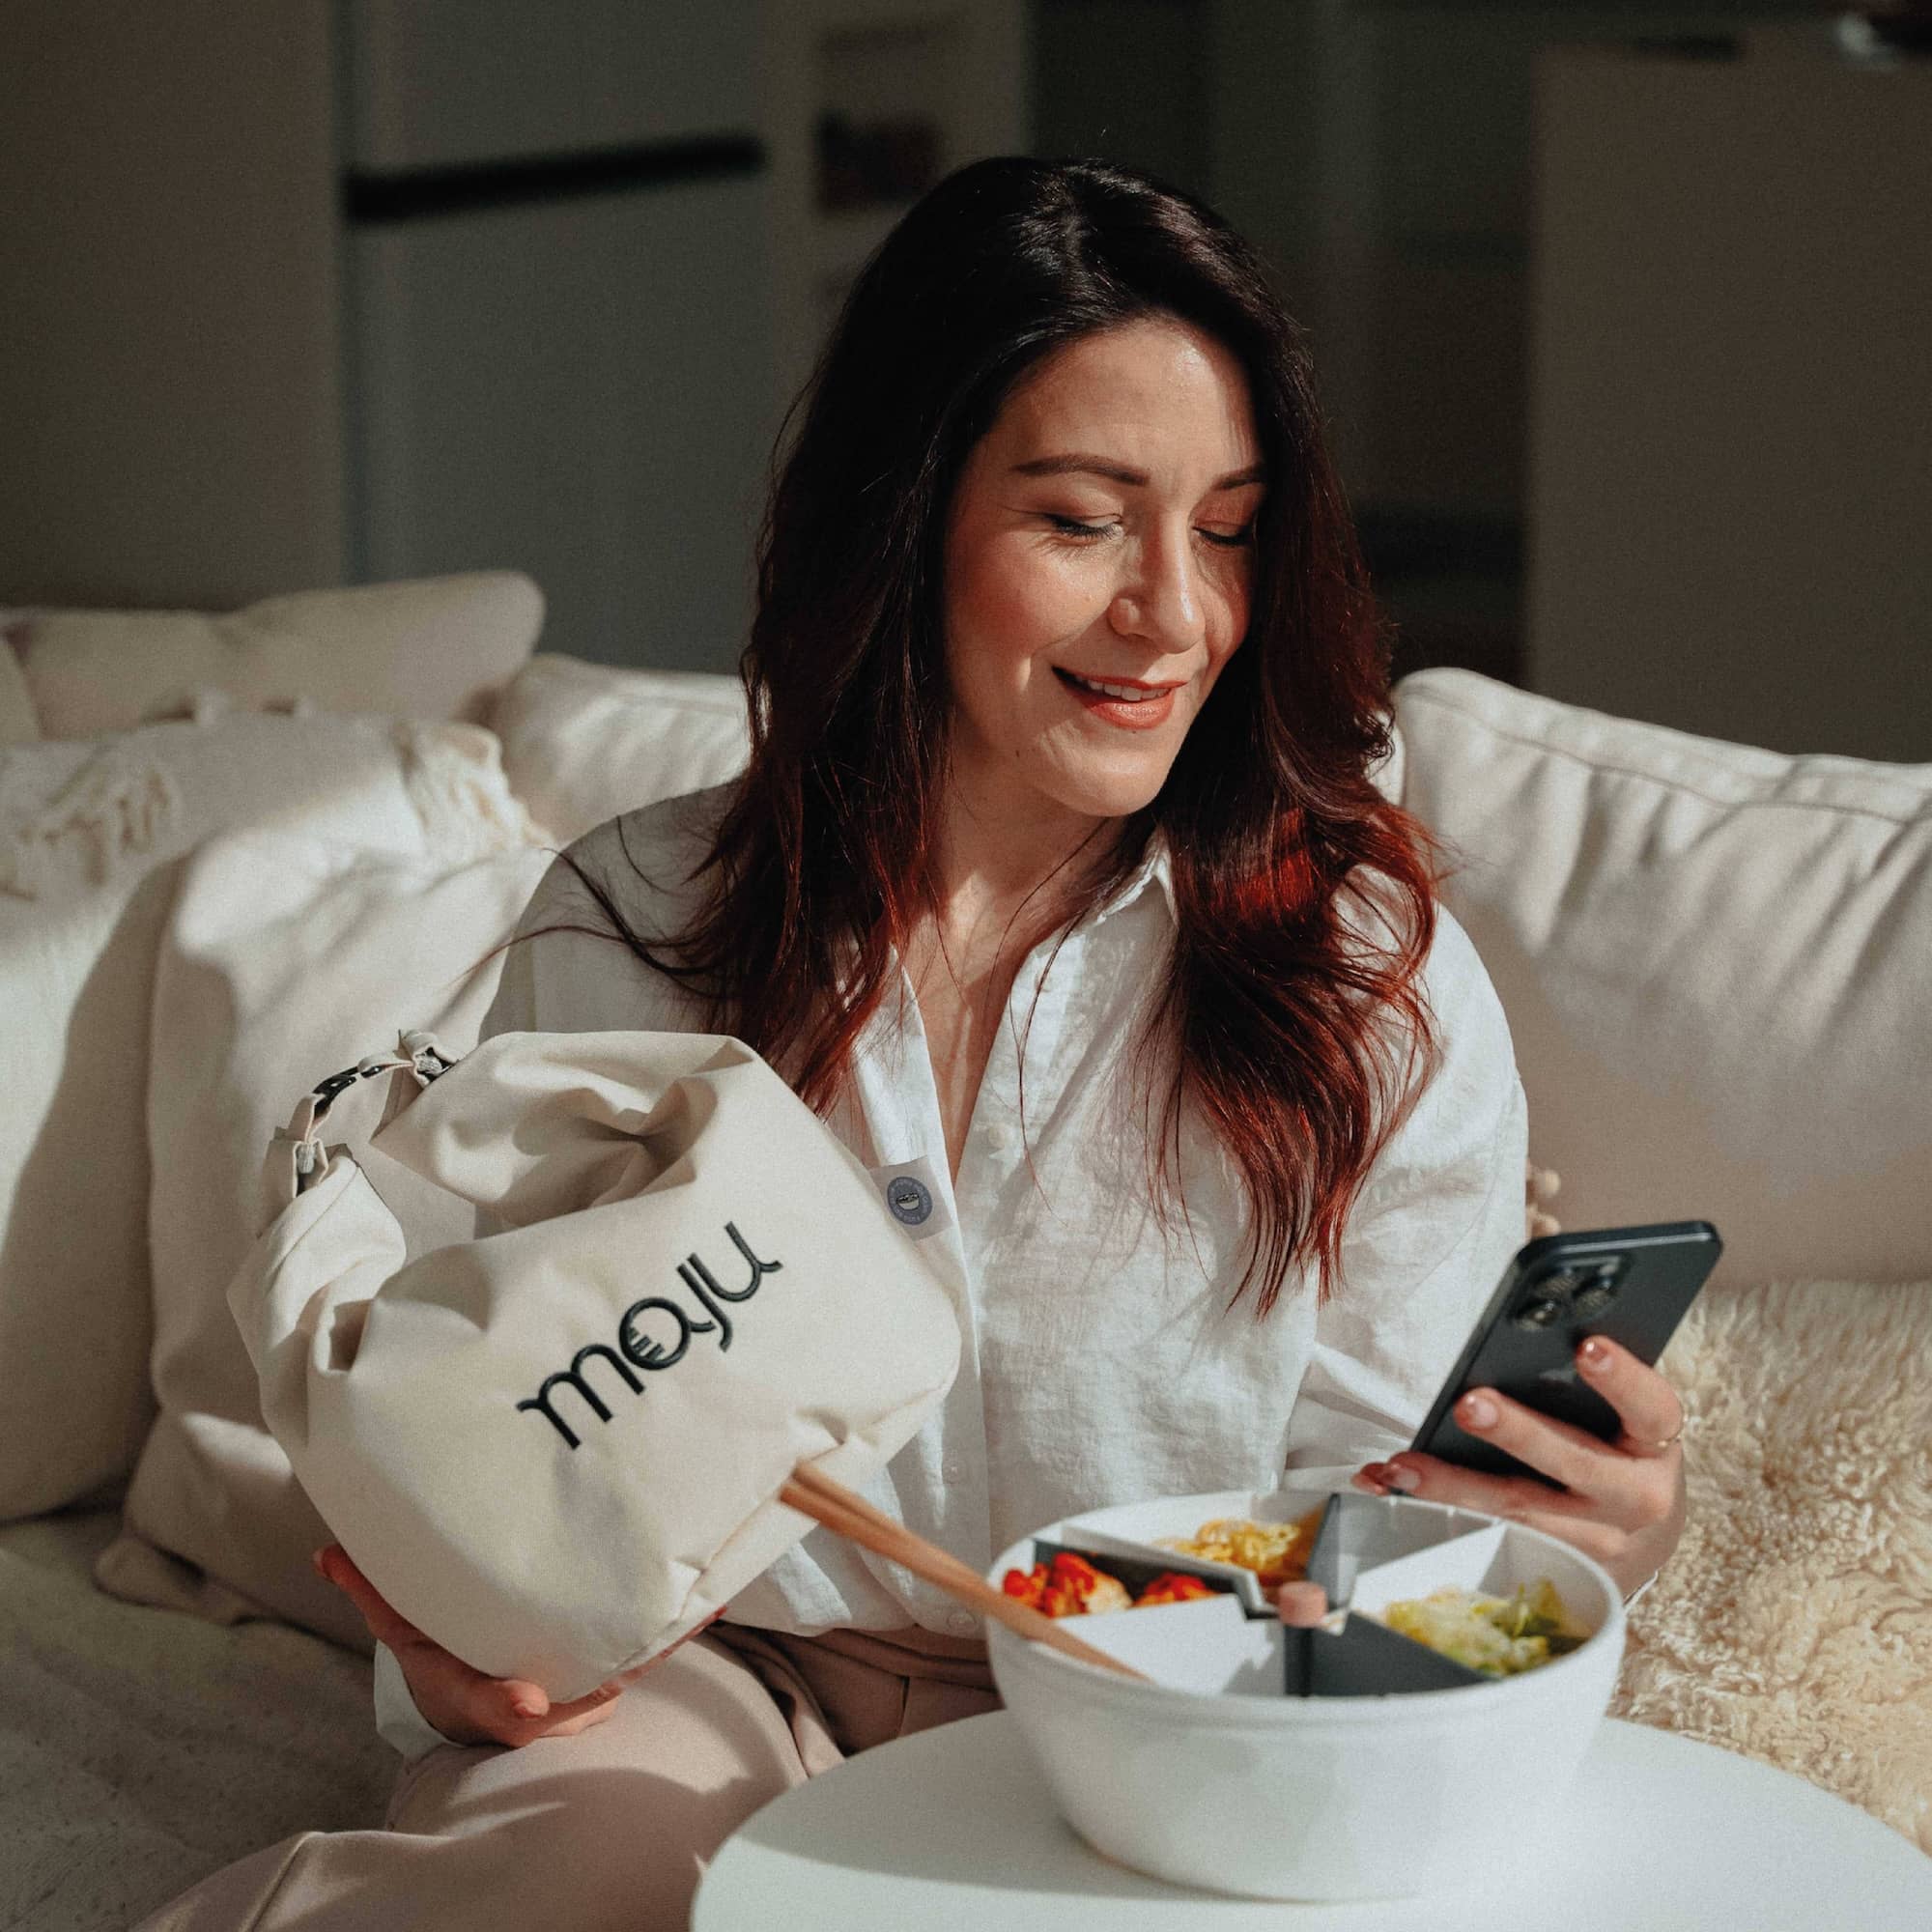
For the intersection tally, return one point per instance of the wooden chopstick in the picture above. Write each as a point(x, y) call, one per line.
point(942, 1565)
point(850, 1515)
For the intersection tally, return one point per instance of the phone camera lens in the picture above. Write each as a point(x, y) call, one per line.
point(1562, 1281)
point(1596, 1297)
point(1540, 1311)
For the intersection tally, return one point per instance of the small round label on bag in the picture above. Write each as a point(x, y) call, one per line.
point(910, 1199)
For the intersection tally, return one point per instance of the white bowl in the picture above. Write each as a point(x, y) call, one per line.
point(1312, 1797)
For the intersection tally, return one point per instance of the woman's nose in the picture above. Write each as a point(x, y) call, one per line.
point(1161, 601)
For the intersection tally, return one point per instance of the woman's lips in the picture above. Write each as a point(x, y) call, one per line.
point(1131, 714)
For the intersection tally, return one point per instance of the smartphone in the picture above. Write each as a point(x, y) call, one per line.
point(1632, 1285)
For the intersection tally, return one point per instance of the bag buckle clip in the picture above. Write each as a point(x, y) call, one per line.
point(335, 1084)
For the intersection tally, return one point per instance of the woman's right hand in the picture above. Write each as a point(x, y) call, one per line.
point(466, 1707)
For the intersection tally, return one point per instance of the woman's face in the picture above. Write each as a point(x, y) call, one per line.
point(1098, 568)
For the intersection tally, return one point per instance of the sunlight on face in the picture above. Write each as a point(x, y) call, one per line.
point(1098, 570)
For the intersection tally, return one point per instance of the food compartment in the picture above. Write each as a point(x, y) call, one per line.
point(1433, 1602)
point(1140, 1568)
point(1121, 1554)
point(1487, 1603)
point(1226, 1640)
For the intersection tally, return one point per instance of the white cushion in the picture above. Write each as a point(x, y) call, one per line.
point(1715, 964)
point(583, 742)
point(288, 957)
point(88, 831)
point(438, 647)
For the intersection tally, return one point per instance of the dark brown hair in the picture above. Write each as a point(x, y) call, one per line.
point(1294, 1038)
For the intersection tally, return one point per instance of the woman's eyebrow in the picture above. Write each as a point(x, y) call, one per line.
point(1117, 472)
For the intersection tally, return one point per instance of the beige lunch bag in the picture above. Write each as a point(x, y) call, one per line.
point(556, 1449)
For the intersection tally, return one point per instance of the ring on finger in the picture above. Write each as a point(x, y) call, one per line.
point(1669, 1441)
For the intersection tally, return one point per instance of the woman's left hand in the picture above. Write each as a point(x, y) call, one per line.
point(1621, 1502)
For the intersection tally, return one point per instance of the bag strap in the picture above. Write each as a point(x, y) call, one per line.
point(297, 1156)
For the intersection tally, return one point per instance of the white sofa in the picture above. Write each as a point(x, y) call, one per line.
point(1714, 961)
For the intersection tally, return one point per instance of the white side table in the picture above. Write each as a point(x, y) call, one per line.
point(953, 1830)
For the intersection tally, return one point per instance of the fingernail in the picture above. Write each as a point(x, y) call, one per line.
point(1594, 1353)
point(1479, 1411)
point(1405, 1480)
point(322, 1568)
point(525, 1707)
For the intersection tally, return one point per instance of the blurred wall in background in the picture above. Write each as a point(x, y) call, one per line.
point(170, 297)
point(1621, 314)
point(318, 293)
point(1729, 503)
point(321, 290)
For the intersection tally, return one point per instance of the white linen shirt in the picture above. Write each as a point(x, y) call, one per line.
point(1101, 1361)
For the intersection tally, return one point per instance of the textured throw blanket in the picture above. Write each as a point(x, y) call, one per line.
point(1794, 1623)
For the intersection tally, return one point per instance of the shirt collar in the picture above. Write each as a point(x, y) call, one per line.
point(1155, 872)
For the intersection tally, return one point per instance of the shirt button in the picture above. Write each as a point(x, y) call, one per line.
point(954, 1469)
point(999, 1137)
point(962, 1621)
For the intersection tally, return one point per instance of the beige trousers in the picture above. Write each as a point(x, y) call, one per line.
point(612, 1827)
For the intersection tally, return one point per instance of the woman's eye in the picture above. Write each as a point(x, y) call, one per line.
point(1072, 526)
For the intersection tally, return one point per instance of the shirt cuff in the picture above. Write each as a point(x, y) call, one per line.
point(398, 1722)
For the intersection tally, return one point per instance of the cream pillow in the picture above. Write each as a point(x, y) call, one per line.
point(89, 833)
point(438, 647)
point(1716, 963)
point(289, 957)
point(583, 742)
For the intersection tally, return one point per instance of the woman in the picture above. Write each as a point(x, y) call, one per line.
point(1056, 882)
